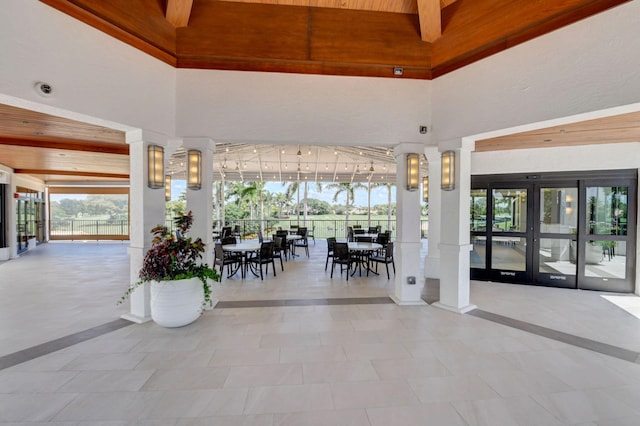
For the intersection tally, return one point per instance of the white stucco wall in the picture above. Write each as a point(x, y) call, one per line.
point(588, 66)
point(95, 77)
point(585, 158)
point(301, 109)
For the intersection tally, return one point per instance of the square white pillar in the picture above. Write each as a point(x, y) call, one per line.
point(146, 210)
point(200, 201)
point(454, 238)
point(407, 244)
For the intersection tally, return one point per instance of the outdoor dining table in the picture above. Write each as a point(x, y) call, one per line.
point(291, 241)
point(244, 248)
point(363, 251)
point(366, 235)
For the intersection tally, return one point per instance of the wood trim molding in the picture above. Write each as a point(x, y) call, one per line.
point(70, 173)
point(88, 189)
point(68, 144)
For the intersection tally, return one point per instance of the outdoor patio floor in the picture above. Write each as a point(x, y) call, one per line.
point(310, 351)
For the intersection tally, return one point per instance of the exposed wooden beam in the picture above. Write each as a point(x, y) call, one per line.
point(69, 173)
point(445, 3)
point(178, 12)
point(72, 145)
point(430, 20)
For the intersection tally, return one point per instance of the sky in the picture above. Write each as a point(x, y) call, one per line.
point(378, 195)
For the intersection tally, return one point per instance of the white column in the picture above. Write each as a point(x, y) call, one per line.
point(200, 201)
point(637, 268)
point(432, 261)
point(407, 244)
point(454, 238)
point(12, 218)
point(146, 210)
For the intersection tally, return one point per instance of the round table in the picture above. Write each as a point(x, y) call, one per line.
point(244, 248)
point(366, 249)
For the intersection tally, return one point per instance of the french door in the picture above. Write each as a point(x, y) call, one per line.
point(573, 232)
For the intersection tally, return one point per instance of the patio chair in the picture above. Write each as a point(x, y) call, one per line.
point(302, 242)
point(341, 257)
point(330, 243)
point(385, 257)
point(310, 234)
point(226, 232)
point(279, 247)
point(223, 259)
point(236, 232)
point(264, 257)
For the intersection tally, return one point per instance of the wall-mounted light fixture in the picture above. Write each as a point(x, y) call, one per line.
point(413, 171)
point(568, 204)
point(448, 182)
point(155, 166)
point(425, 189)
point(194, 169)
point(167, 188)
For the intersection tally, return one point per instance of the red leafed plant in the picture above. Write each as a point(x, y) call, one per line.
point(174, 256)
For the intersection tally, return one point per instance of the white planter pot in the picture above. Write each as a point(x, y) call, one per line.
point(176, 303)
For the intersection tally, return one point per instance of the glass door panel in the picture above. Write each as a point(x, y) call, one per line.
point(601, 260)
point(555, 236)
point(609, 241)
point(478, 252)
point(478, 219)
point(509, 210)
point(558, 212)
point(509, 237)
point(607, 210)
point(509, 253)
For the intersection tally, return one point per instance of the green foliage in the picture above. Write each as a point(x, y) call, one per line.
point(316, 207)
point(175, 257)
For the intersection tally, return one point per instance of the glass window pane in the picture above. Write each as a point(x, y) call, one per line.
point(557, 256)
point(509, 210)
point(479, 252)
point(559, 212)
point(508, 253)
point(607, 210)
point(605, 259)
point(478, 210)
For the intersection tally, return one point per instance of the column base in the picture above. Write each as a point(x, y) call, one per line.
point(462, 310)
point(135, 318)
point(407, 302)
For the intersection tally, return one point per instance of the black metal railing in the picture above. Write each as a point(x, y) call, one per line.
point(96, 229)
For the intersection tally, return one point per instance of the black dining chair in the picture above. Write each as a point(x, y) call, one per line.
point(331, 241)
point(264, 257)
point(223, 259)
point(386, 257)
point(302, 242)
point(237, 232)
point(279, 249)
point(226, 232)
point(341, 257)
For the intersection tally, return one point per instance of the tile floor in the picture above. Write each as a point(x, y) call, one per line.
point(360, 364)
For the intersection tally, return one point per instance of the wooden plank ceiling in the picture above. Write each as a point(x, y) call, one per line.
point(426, 38)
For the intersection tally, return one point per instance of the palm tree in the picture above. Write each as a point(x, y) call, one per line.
point(373, 185)
point(254, 193)
point(281, 200)
point(349, 190)
point(294, 187)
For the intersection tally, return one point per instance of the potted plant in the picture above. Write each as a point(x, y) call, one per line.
point(179, 282)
